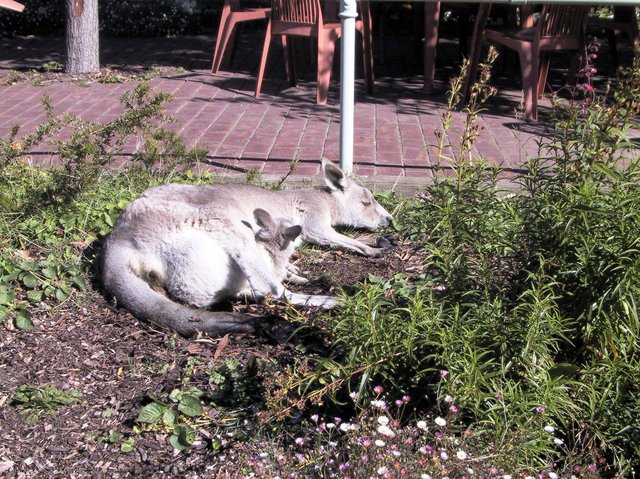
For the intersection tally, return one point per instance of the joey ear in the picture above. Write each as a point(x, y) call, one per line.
point(263, 219)
point(292, 232)
point(334, 177)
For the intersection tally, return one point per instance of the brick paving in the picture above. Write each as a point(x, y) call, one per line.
point(395, 128)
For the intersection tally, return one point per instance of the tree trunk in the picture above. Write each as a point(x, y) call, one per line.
point(83, 55)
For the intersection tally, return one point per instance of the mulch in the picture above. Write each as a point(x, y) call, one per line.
point(120, 363)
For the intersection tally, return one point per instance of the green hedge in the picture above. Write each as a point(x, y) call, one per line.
point(133, 18)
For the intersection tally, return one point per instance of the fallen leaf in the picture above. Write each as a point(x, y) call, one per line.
point(223, 344)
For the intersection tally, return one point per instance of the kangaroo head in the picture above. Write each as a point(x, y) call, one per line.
point(357, 205)
point(278, 237)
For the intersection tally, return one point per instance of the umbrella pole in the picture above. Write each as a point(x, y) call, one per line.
point(348, 14)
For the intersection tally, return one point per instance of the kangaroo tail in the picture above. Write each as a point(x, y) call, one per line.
point(139, 298)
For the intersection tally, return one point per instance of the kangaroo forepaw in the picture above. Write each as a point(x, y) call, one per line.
point(385, 245)
point(293, 278)
point(292, 268)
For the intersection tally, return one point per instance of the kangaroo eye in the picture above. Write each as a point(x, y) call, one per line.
point(366, 203)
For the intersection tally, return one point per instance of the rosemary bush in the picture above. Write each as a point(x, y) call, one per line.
point(526, 312)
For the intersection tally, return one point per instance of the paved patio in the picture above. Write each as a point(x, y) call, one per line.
point(395, 128)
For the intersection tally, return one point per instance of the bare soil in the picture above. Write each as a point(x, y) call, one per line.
point(120, 363)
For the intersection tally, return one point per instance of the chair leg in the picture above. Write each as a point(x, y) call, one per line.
point(529, 69)
point(224, 32)
point(326, 49)
point(431, 23)
point(289, 59)
point(263, 59)
point(543, 74)
point(476, 46)
point(367, 49)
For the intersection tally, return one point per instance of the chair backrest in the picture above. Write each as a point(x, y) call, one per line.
point(297, 11)
point(563, 20)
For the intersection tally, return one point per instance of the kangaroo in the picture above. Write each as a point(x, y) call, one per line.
point(342, 202)
point(199, 255)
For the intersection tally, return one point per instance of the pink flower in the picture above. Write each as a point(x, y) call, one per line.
point(378, 390)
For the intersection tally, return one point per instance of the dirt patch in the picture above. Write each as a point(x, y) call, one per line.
point(53, 73)
point(119, 363)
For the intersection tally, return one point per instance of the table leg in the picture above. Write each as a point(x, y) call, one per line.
point(431, 23)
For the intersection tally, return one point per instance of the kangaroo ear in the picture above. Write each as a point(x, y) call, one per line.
point(292, 232)
point(263, 219)
point(334, 176)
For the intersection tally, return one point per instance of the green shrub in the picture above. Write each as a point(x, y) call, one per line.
point(40, 17)
point(526, 311)
point(129, 18)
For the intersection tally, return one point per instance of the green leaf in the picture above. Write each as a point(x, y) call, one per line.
point(4, 312)
point(61, 295)
point(182, 438)
point(107, 219)
point(216, 378)
point(4, 295)
point(114, 436)
point(35, 295)
point(49, 272)
point(152, 413)
point(23, 322)
point(30, 281)
point(127, 445)
point(79, 282)
point(190, 406)
point(169, 417)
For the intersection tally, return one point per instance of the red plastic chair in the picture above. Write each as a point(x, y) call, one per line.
point(11, 5)
point(232, 14)
point(559, 27)
point(304, 18)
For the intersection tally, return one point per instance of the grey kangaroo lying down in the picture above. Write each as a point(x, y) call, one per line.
point(199, 258)
point(342, 202)
point(204, 244)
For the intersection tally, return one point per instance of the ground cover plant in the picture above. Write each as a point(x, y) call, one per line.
point(500, 340)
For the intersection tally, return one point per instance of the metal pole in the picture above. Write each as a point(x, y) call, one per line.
point(348, 14)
